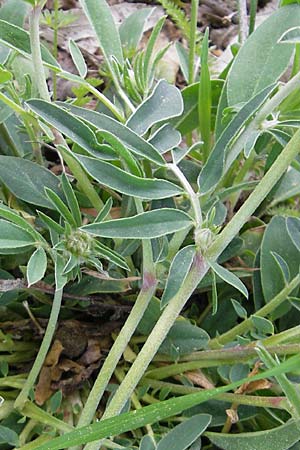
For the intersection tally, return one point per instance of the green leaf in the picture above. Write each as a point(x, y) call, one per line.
point(184, 434)
point(13, 216)
point(128, 184)
point(279, 438)
point(229, 277)
point(283, 266)
point(70, 126)
point(293, 228)
point(55, 401)
point(130, 139)
point(77, 58)
point(51, 224)
point(189, 119)
point(60, 278)
point(18, 39)
point(204, 98)
point(262, 325)
point(149, 51)
point(239, 309)
point(214, 167)
point(265, 57)
point(27, 180)
point(291, 36)
point(165, 138)
point(12, 237)
point(8, 436)
point(178, 272)
point(147, 225)
point(36, 266)
point(103, 213)
point(131, 30)
point(156, 412)
point(184, 338)
point(164, 103)
point(183, 57)
point(60, 207)
point(71, 199)
point(111, 255)
point(5, 75)
point(99, 15)
point(277, 239)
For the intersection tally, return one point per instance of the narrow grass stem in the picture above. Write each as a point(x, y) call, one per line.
point(240, 399)
point(156, 337)
point(246, 325)
point(192, 40)
point(253, 9)
point(243, 23)
point(37, 365)
point(123, 338)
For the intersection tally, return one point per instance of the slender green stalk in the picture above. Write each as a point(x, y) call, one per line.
point(39, 72)
point(240, 399)
point(37, 365)
point(121, 342)
point(243, 24)
point(156, 337)
point(41, 416)
point(236, 353)
point(291, 335)
point(247, 324)
point(55, 45)
point(194, 199)
point(192, 41)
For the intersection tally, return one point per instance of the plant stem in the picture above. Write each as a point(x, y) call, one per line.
point(192, 41)
point(35, 370)
point(39, 72)
point(55, 45)
point(246, 325)
point(251, 400)
point(243, 24)
point(254, 200)
point(194, 199)
point(157, 336)
point(121, 342)
point(83, 180)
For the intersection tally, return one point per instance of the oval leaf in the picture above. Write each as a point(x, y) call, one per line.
point(264, 55)
point(78, 59)
point(13, 237)
point(179, 270)
point(147, 225)
point(229, 277)
point(277, 239)
point(27, 180)
point(184, 434)
point(279, 438)
point(164, 102)
point(128, 184)
point(291, 36)
point(36, 266)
